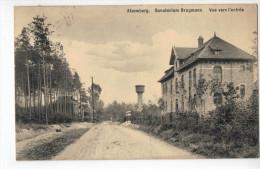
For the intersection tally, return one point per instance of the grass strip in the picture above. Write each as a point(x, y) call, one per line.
point(201, 144)
point(51, 148)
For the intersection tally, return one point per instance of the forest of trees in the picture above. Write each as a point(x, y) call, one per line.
point(116, 111)
point(47, 90)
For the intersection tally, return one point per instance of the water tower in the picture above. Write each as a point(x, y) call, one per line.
point(139, 90)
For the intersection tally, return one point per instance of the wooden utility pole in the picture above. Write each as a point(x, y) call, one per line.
point(92, 99)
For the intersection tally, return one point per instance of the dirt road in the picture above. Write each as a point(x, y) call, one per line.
point(111, 141)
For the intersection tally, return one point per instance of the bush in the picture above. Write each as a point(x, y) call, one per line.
point(21, 115)
point(229, 131)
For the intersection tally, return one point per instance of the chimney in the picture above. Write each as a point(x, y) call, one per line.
point(200, 42)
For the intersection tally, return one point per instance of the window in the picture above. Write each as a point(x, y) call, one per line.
point(242, 91)
point(166, 90)
point(182, 81)
point(190, 80)
point(217, 98)
point(194, 101)
point(176, 106)
point(194, 77)
point(166, 106)
point(182, 104)
point(176, 85)
point(217, 71)
point(171, 106)
point(163, 87)
point(217, 52)
point(171, 86)
point(189, 94)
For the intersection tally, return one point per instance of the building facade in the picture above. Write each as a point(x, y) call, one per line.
point(215, 59)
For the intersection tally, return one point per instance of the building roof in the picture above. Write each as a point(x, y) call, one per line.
point(168, 74)
point(183, 53)
point(180, 53)
point(226, 50)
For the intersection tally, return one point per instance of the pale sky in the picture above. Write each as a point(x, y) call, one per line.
point(121, 50)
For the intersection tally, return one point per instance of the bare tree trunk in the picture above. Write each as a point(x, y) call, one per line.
point(38, 102)
point(65, 103)
point(29, 92)
point(51, 108)
point(55, 108)
point(58, 100)
point(82, 115)
point(71, 101)
point(45, 92)
point(30, 105)
point(25, 96)
point(34, 108)
point(47, 89)
point(62, 104)
point(24, 92)
point(65, 91)
point(71, 98)
point(78, 104)
point(40, 115)
point(62, 100)
point(16, 91)
point(82, 111)
point(73, 114)
point(68, 101)
point(39, 91)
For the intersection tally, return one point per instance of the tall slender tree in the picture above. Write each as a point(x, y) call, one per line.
point(42, 72)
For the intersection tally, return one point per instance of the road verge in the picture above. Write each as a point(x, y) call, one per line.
point(46, 148)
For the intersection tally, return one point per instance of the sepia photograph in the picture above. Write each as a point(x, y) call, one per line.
point(132, 82)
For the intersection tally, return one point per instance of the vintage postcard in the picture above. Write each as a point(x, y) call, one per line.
point(124, 82)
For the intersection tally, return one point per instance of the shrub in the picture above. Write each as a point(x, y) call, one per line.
point(21, 115)
point(231, 130)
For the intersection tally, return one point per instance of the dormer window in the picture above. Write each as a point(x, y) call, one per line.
point(217, 52)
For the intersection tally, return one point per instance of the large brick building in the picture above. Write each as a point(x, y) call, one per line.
point(214, 59)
